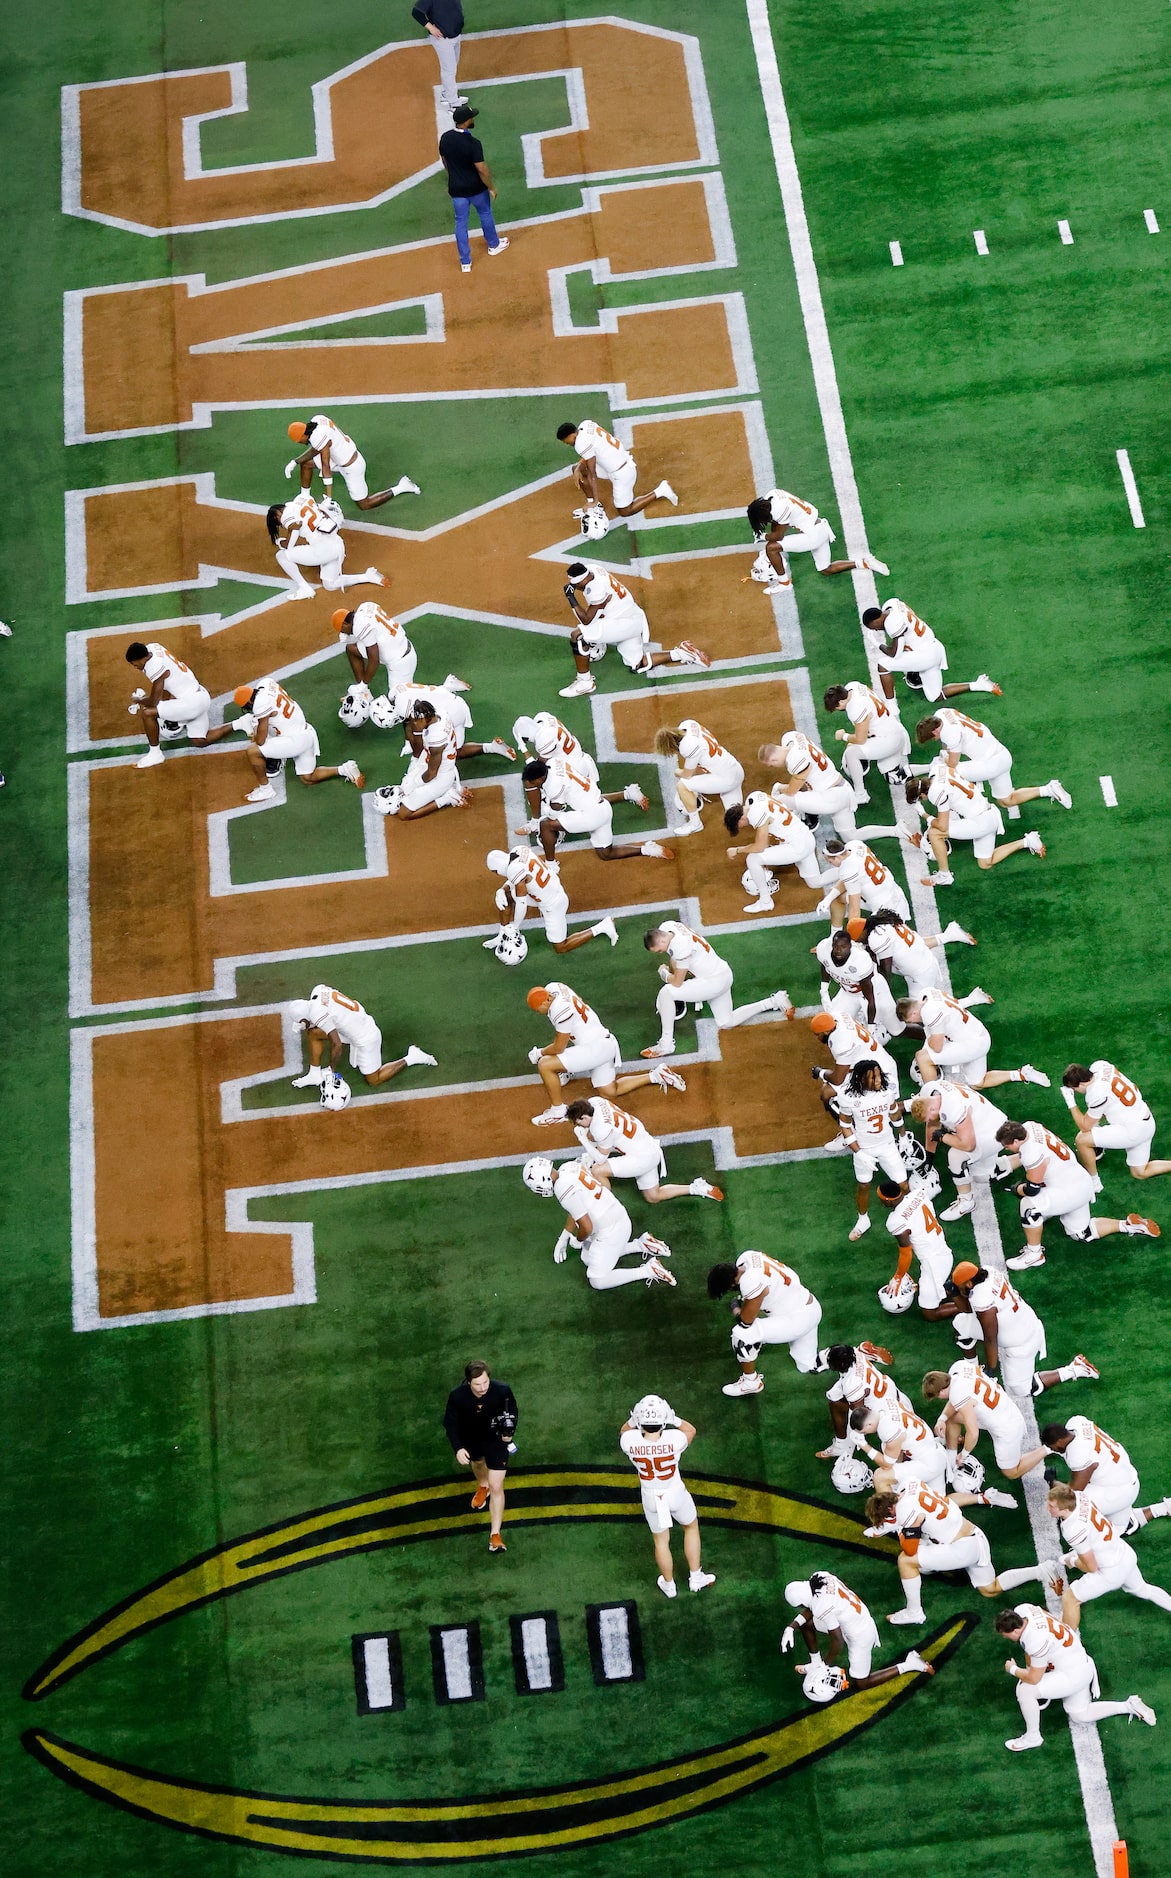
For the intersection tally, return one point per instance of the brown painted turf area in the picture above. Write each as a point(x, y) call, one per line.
point(161, 1238)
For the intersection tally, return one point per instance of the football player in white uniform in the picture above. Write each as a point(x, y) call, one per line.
point(973, 753)
point(1112, 1115)
point(934, 1536)
point(582, 1046)
point(771, 1305)
point(916, 1231)
point(878, 735)
point(330, 1017)
point(553, 741)
point(703, 768)
point(1100, 1464)
point(869, 1113)
point(1056, 1186)
point(1058, 1670)
point(957, 810)
point(617, 1146)
point(369, 638)
point(693, 973)
point(966, 1122)
point(1107, 1562)
point(530, 879)
point(848, 1042)
point(992, 1310)
point(565, 800)
point(607, 614)
point(328, 450)
point(859, 991)
point(907, 1446)
point(827, 1608)
point(601, 455)
point(598, 1226)
point(278, 733)
point(305, 533)
point(653, 1440)
point(818, 787)
point(905, 643)
point(856, 881)
point(860, 1384)
point(176, 702)
point(973, 1404)
point(956, 1044)
point(898, 949)
point(782, 839)
point(783, 525)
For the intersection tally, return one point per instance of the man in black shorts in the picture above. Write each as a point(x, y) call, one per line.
point(479, 1421)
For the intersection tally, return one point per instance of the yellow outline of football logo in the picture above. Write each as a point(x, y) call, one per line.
point(410, 1832)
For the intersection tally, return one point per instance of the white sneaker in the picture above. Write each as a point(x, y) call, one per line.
point(653, 1248)
point(606, 929)
point(666, 494)
point(151, 760)
point(265, 793)
point(452, 683)
point(501, 245)
point(548, 1118)
point(978, 996)
point(763, 905)
point(692, 826)
point(1141, 1710)
point(351, 772)
point(906, 1617)
point(465, 267)
point(778, 584)
point(655, 851)
point(861, 1225)
point(699, 1581)
point(750, 1384)
point(1038, 1076)
point(874, 566)
point(1056, 793)
point(632, 793)
point(419, 1059)
point(405, 487)
point(914, 1664)
point(1034, 843)
point(667, 1586)
point(664, 1077)
point(1136, 1227)
point(836, 1146)
point(781, 1001)
point(498, 747)
point(984, 683)
point(658, 1049)
point(703, 1190)
point(960, 1207)
point(1022, 1743)
point(657, 1274)
point(953, 934)
point(995, 1497)
point(942, 879)
point(312, 1079)
point(376, 577)
point(1031, 1256)
point(581, 687)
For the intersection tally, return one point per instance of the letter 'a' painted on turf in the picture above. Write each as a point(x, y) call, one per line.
point(457, 1663)
point(536, 1654)
point(378, 1672)
point(615, 1642)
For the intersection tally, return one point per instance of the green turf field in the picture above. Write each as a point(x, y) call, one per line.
point(985, 397)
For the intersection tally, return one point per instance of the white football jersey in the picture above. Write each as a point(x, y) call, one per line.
point(858, 966)
point(994, 1410)
point(616, 602)
point(862, 703)
point(822, 773)
point(777, 1285)
point(869, 1116)
point(698, 749)
point(943, 1017)
point(1092, 1447)
point(914, 1437)
point(571, 1016)
point(597, 446)
point(364, 630)
point(689, 950)
point(929, 1514)
point(271, 700)
point(1086, 1530)
point(331, 1010)
point(790, 512)
point(1017, 1325)
point(949, 794)
point(1046, 1639)
point(833, 1606)
point(531, 877)
point(957, 1102)
point(610, 1128)
point(1111, 1097)
point(322, 431)
point(914, 1218)
point(909, 954)
point(568, 787)
point(307, 520)
point(860, 871)
point(181, 681)
point(575, 1188)
point(655, 1458)
point(550, 738)
point(1041, 1150)
point(963, 736)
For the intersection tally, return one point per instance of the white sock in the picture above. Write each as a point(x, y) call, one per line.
point(913, 1593)
point(1020, 1575)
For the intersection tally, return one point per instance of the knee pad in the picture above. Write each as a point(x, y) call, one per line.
point(745, 1347)
point(1032, 1216)
point(1086, 1236)
point(273, 765)
point(1037, 1387)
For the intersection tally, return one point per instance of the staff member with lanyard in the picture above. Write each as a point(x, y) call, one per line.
point(469, 184)
point(480, 1421)
point(444, 20)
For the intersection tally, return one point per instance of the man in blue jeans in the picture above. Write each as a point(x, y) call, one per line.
point(469, 184)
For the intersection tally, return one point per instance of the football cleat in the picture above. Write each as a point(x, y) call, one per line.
point(1034, 843)
point(1083, 1368)
point(1135, 1226)
point(665, 493)
point(655, 851)
point(876, 1353)
point(664, 1077)
point(1025, 1260)
point(703, 1190)
point(653, 1248)
point(632, 793)
point(750, 1383)
point(659, 1049)
point(581, 687)
point(419, 1059)
point(549, 1118)
point(657, 1274)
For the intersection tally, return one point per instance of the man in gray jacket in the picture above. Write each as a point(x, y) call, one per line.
point(444, 20)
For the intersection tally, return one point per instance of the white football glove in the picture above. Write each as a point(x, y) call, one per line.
point(246, 723)
point(290, 466)
point(824, 904)
point(561, 1249)
point(503, 899)
point(788, 1639)
point(665, 972)
point(536, 1053)
point(138, 692)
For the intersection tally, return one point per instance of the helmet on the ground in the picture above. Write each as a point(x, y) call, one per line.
point(898, 1298)
point(335, 1093)
point(595, 523)
point(967, 1473)
point(537, 1175)
point(823, 1681)
point(913, 1153)
point(511, 948)
point(385, 714)
point(356, 707)
point(849, 1475)
point(388, 799)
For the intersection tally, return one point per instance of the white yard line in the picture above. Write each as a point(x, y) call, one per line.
point(1109, 793)
point(1151, 220)
point(1131, 489)
point(1095, 1788)
point(981, 240)
point(1066, 233)
point(896, 254)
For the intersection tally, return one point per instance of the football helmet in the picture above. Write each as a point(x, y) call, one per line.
point(496, 861)
point(335, 1093)
point(652, 1412)
point(511, 948)
point(385, 714)
point(799, 1593)
point(595, 523)
point(966, 1472)
point(898, 1298)
point(762, 569)
point(823, 1681)
point(537, 1175)
point(755, 808)
point(849, 1475)
point(545, 733)
point(388, 799)
point(913, 1153)
point(593, 650)
point(356, 707)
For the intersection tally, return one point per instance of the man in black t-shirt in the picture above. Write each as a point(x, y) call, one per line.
point(469, 184)
point(479, 1421)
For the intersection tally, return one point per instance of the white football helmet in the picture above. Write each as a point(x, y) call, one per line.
point(496, 861)
point(926, 1185)
point(762, 569)
point(913, 1153)
point(652, 1412)
point(823, 1681)
point(966, 1472)
point(537, 1175)
point(799, 1593)
point(356, 707)
point(385, 714)
point(850, 1475)
point(595, 523)
point(755, 808)
point(545, 732)
point(511, 948)
point(897, 1299)
point(335, 1093)
point(388, 800)
point(593, 650)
